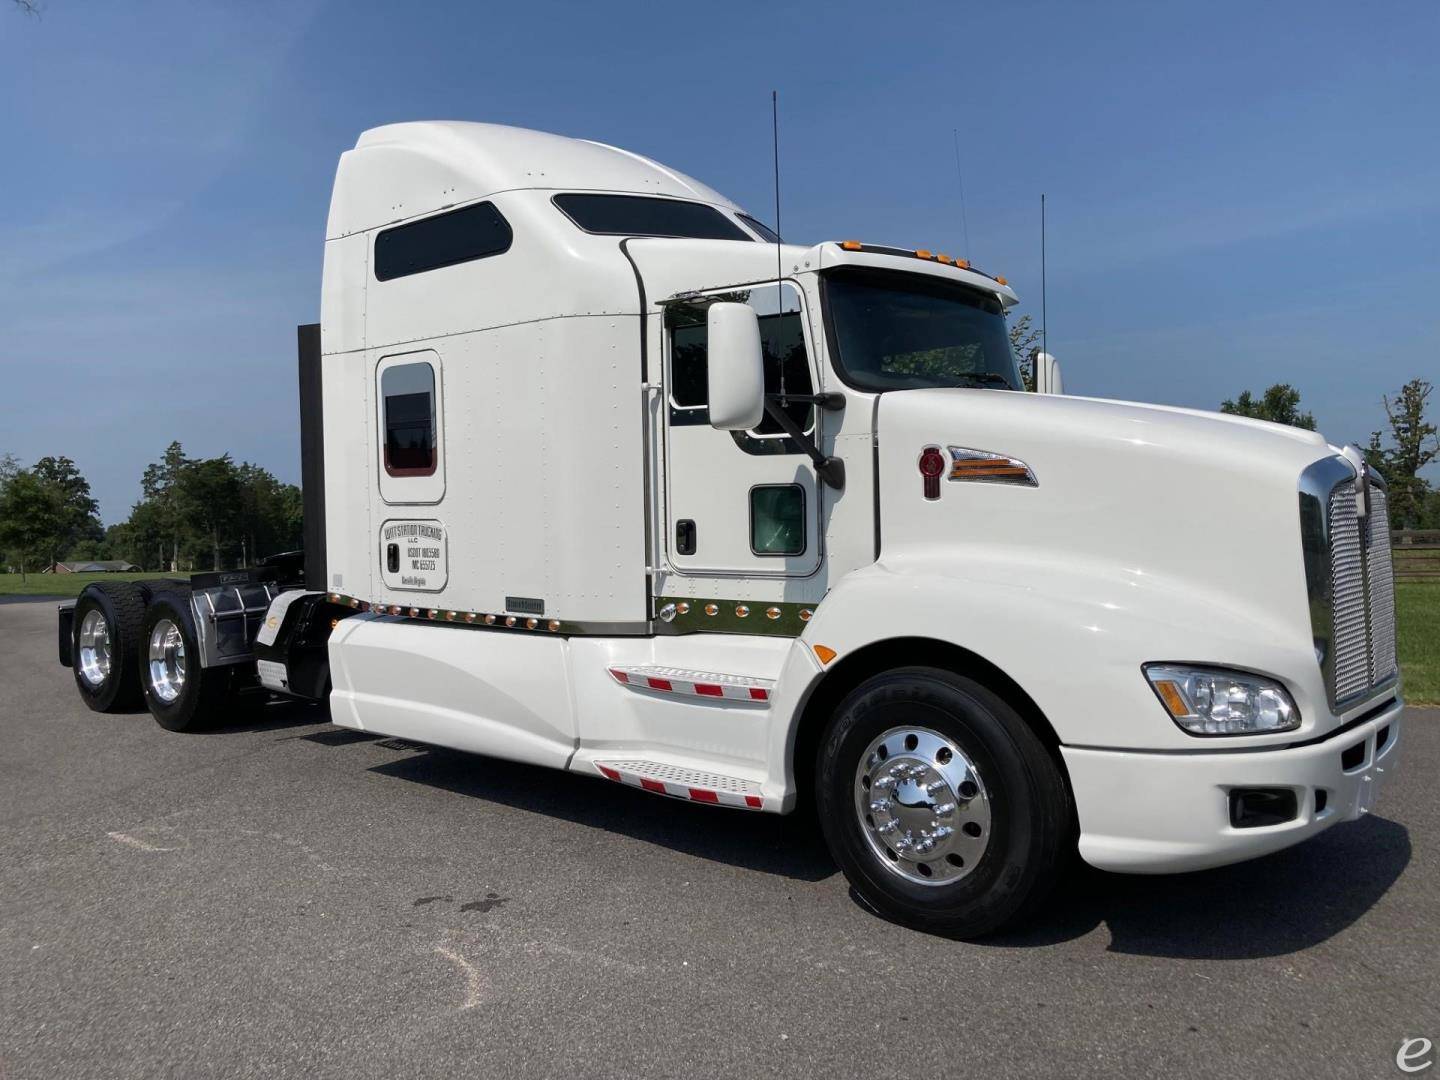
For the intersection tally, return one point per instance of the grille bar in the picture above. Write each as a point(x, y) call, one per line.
point(1380, 575)
point(1347, 583)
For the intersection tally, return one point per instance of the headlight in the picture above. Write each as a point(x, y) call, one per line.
point(1207, 701)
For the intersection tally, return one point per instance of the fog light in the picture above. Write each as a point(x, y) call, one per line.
point(1209, 701)
point(1254, 808)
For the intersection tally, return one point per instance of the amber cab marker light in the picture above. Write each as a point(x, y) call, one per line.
point(825, 653)
point(944, 259)
point(1001, 279)
point(850, 245)
point(963, 264)
point(921, 253)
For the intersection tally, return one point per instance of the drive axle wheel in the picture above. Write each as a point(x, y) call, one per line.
point(940, 804)
point(105, 649)
point(181, 695)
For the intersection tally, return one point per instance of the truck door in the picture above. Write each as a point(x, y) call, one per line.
point(740, 503)
point(413, 546)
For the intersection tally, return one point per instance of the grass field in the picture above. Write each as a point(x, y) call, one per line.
point(1417, 610)
point(60, 584)
point(1417, 615)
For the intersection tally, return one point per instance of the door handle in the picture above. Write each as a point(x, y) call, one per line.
point(685, 536)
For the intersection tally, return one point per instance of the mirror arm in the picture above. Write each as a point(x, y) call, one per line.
point(831, 402)
point(830, 469)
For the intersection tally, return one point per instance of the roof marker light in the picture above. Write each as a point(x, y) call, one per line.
point(963, 264)
point(850, 245)
point(1001, 279)
point(922, 253)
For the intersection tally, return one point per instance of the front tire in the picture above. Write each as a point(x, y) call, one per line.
point(180, 694)
point(940, 804)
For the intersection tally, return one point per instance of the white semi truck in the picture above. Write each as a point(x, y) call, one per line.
point(602, 476)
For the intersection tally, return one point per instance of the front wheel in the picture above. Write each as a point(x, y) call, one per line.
point(181, 695)
point(940, 804)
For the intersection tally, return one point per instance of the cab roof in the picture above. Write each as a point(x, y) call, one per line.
point(401, 170)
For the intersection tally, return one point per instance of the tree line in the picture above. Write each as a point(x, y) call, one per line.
point(1398, 455)
point(193, 514)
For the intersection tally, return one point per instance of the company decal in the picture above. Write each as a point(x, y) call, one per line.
point(414, 555)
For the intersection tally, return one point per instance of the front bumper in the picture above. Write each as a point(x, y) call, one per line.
point(1161, 813)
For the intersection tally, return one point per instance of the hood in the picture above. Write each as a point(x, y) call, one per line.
point(1205, 502)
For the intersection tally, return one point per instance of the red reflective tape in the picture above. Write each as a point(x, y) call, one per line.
point(653, 785)
point(754, 800)
point(620, 675)
point(659, 684)
point(701, 795)
point(611, 773)
point(706, 689)
point(759, 694)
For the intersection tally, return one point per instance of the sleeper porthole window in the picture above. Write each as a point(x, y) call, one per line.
point(777, 519)
point(409, 395)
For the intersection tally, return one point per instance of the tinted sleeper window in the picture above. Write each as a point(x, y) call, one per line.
point(640, 215)
point(443, 240)
point(409, 393)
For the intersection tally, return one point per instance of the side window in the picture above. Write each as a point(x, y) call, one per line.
point(472, 232)
point(782, 336)
point(777, 519)
point(408, 404)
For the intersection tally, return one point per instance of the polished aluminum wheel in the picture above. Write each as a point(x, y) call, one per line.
point(94, 642)
point(922, 806)
point(167, 661)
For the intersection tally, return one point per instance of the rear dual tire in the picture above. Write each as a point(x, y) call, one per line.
point(180, 694)
point(940, 804)
point(104, 648)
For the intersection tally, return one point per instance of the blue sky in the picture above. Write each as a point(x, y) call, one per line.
point(1239, 193)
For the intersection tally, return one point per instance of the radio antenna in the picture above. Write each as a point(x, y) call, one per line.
point(1044, 322)
point(960, 179)
point(779, 262)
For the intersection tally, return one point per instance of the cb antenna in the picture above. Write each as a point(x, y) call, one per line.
point(960, 179)
point(779, 263)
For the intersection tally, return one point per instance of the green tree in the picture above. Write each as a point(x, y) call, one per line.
point(46, 511)
point(1024, 340)
point(1280, 404)
point(32, 520)
point(1414, 444)
point(208, 501)
point(269, 514)
point(159, 487)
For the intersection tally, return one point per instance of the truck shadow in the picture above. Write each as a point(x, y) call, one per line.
point(786, 846)
point(1279, 904)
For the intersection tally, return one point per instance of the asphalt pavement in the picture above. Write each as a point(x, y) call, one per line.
point(285, 898)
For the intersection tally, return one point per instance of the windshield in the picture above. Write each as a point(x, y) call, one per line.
point(899, 331)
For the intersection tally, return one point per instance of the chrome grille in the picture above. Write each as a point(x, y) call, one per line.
point(1347, 590)
point(1381, 577)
